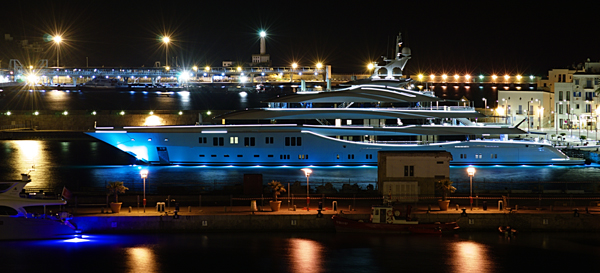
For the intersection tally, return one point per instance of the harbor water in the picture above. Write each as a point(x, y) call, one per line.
point(306, 252)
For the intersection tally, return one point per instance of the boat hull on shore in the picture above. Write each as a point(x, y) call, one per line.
point(343, 224)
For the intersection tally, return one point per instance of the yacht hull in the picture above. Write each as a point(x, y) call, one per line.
point(272, 145)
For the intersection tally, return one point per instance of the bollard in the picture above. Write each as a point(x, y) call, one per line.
point(456, 206)
point(294, 207)
point(253, 207)
point(516, 207)
point(129, 209)
point(334, 205)
point(500, 205)
point(189, 208)
point(484, 205)
point(349, 207)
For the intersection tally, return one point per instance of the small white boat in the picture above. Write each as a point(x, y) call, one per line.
point(105, 83)
point(16, 223)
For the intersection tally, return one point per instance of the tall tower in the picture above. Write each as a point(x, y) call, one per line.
point(263, 44)
point(263, 58)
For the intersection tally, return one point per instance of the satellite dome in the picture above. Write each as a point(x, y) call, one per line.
point(405, 51)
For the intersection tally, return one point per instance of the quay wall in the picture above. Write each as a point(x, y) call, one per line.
point(85, 120)
point(559, 221)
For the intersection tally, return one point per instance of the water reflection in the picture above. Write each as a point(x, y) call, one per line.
point(305, 255)
point(29, 153)
point(141, 259)
point(471, 257)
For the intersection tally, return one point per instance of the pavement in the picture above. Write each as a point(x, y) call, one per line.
point(246, 210)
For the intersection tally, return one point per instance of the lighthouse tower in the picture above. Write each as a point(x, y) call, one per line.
point(262, 59)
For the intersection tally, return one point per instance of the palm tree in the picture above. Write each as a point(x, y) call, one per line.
point(445, 187)
point(116, 188)
point(277, 188)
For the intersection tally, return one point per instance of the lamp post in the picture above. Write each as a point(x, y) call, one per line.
point(57, 39)
point(307, 172)
point(166, 40)
point(471, 172)
point(144, 174)
point(484, 104)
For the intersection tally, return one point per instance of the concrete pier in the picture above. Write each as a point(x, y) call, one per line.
point(237, 218)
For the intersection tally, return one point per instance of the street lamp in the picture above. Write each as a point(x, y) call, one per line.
point(166, 40)
point(484, 104)
point(144, 174)
point(57, 39)
point(307, 172)
point(471, 172)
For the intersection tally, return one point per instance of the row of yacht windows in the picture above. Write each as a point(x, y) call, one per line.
point(479, 156)
point(300, 156)
point(248, 141)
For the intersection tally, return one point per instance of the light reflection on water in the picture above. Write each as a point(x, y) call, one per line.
point(307, 252)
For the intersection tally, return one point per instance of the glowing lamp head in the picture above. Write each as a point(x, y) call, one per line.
point(195, 68)
point(166, 39)
point(263, 34)
point(144, 174)
point(294, 65)
point(370, 66)
point(471, 171)
point(307, 171)
point(319, 65)
point(57, 39)
point(420, 77)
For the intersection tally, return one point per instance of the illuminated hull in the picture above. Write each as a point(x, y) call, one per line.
point(301, 146)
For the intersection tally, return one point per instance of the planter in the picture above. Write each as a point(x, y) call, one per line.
point(443, 204)
point(115, 207)
point(275, 205)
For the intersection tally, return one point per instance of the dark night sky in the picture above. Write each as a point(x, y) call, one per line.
point(475, 37)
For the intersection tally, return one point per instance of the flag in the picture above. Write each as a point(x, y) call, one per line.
point(66, 194)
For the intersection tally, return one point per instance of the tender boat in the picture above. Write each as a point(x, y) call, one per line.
point(17, 224)
point(105, 83)
point(386, 219)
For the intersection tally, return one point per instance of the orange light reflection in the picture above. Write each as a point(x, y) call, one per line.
point(471, 257)
point(141, 259)
point(306, 256)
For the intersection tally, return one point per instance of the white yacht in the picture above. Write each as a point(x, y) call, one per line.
point(352, 125)
point(16, 223)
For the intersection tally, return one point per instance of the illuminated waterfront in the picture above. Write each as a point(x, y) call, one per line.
point(82, 163)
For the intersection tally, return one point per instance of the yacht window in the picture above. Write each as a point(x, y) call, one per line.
point(233, 140)
point(293, 141)
point(225, 155)
point(4, 210)
point(151, 139)
point(201, 155)
point(269, 155)
point(287, 141)
point(240, 156)
point(440, 162)
point(299, 142)
point(213, 155)
point(338, 156)
point(166, 140)
point(256, 155)
point(268, 140)
point(202, 140)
